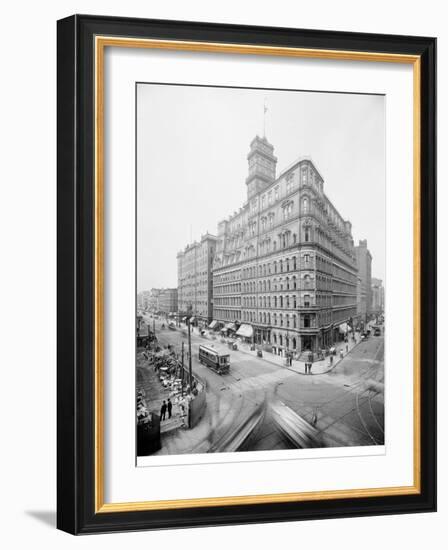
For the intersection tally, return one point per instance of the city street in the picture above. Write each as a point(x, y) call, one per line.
point(345, 405)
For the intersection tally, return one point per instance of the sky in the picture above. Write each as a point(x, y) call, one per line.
point(192, 145)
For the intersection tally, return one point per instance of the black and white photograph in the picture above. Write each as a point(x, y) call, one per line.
point(260, 269)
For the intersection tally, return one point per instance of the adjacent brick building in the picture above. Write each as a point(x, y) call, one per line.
point(194, 279)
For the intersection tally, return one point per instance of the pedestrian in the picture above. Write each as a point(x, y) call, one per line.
point(346, 348)
point(163, 411)
point(306, 368)
point(331, 360)
point(341, 354)
point(309, 367)
point(170, 408)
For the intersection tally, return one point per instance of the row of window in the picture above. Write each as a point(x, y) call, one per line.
point(281, 266)
point(288, 302)
point(288, 321)
point(234, 288)
point(302, 282)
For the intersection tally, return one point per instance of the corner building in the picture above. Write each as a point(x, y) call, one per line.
point(285, 264)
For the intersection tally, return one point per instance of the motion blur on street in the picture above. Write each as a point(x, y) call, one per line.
point(263, 403)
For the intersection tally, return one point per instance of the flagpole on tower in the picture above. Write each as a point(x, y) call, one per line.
point(265, 108)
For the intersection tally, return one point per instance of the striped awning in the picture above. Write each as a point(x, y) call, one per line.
point(246, 331)
point(213, 324)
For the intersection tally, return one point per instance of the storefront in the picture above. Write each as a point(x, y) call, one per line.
point(262, 335)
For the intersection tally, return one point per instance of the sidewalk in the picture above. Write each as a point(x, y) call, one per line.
point(298, 366)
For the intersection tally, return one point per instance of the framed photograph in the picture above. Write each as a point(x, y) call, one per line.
point(246, 274)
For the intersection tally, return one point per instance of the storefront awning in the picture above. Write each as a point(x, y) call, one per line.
point(192, 319)
point(213, 324)
point(343, 328)
point(230, 326)
point(246, 331)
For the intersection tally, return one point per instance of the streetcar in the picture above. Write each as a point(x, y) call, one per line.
point(219, 362)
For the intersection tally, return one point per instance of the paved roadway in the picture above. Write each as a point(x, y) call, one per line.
point(344, 405)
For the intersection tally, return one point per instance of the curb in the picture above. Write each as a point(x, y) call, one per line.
point(302, 373)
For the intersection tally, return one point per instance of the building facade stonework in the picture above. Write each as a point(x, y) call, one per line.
point(285, 262)
point(168, 300)
point(364, 263)
point(194, 279)
point(377, 296)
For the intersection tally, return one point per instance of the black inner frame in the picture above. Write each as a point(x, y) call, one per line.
point(76, 262)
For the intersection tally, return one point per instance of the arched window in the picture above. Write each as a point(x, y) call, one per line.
point(294, 343)
point(306, 321)
point(280, 339)
point(281, 301)
point(307, 281)
point(281, 266)
point(307, 234)
point(287, 320)
point(281, 320)
point(275, 338)
point(275, 319)
point(294, 238)
point(264, 318)
point(294, 283)
point(294, 263)
point(306, 300)
point(275, 301)
point(294, 322)
point(305, 205)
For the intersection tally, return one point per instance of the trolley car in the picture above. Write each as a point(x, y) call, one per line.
point(219, 362)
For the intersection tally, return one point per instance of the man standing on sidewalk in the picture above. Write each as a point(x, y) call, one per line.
point(163, 411)
point(170, 408)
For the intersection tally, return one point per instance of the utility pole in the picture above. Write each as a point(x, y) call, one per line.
point(190, 370)
point(154, 332)
point(182, 383)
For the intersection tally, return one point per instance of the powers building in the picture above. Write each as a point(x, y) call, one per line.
point(285, 266)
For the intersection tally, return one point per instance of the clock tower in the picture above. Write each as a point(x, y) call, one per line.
point(262, 166)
